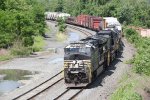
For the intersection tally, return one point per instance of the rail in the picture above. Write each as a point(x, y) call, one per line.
point(39, 86)
point(84, 31)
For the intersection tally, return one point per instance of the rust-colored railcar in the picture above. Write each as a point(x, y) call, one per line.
point(81, 20)
point(91, 22)
point(96, 23)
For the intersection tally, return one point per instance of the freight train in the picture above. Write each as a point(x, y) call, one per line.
point(91, 22)
point(84, 60)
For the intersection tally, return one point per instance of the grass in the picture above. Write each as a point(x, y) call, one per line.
point(5, 57)
point(38, 43)
point(130, 87)
point(126, 90)
point(141, 63)
point(48, 29)
point(5, 54)
point(61, 36)
point(18, 50)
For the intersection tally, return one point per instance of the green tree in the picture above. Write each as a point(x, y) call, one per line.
point(59, 7)
point(61, 24)
point(20, 21)
point(2, 4)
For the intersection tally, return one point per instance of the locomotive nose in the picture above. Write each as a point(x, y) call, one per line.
point(76, 73)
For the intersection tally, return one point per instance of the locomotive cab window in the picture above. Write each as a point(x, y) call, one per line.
point(86, 50)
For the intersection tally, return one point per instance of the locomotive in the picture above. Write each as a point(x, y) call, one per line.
point(84, 60)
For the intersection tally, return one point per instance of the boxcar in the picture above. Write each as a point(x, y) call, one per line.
point(96, 23)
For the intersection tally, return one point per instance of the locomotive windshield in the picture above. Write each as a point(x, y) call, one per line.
point(85, 50)
point(83, 53)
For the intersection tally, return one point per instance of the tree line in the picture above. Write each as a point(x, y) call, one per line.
point(129, 12)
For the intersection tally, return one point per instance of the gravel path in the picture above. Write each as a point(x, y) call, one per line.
point(50, 62)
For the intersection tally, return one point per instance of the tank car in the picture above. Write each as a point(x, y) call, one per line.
point(55, 15)
point(84, 60)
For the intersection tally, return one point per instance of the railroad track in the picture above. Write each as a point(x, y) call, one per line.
point(60, 97)
point(40, 88)
point(84, 31)
point(77, 92)
point(87, 33)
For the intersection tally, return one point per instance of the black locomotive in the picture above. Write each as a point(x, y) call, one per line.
point(86, 59)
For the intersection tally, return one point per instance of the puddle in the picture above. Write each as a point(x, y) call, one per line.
point(14, 74)
point(9, 79)
point(56, 60)
point(73, 37)
point(7, 86)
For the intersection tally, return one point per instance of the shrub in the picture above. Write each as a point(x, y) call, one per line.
point(19, 50)
point(141, 61)
point(61, 36)
point(5, 57)
point(38, 43)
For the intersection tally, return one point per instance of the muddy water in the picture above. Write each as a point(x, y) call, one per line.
point(9, 79)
